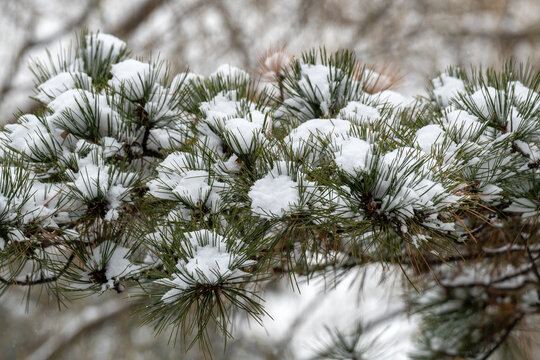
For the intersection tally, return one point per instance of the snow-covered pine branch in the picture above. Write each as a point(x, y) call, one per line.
point(193, 191)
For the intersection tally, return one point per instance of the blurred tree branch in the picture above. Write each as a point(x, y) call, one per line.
point(136, 18)
point(92, 317)
point(31, 43)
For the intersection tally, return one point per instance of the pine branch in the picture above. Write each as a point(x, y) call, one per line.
point(198, 188)
point(41, 280)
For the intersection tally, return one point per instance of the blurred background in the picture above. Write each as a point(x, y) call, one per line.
point(415, 37)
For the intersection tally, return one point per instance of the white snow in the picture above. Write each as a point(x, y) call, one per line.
point(462, 124)
point(360, 112)
point(428, 136)
point(229, 71)
point(193, 187)
point(490, 192)
point(159, 112)
point(77, 109)
point(183, 79)
point(112, 258)
point(488, 100)
point(231, 165)
point(390, 97)
point(93, 181)
point(178, 162)
point(273, 196)
point(104, 45)
point(403, 157)
point(225, 106)
point(111, 147)
point(527, 207)
point(315, 82)
point(188, 180)
point(30, 135)
point(181, 177)
point(523, 93)
point(300, 319)
point(532, 151)
point(60, 83)
point(305, 136)
point(209, 263)
point(353, 155)
point(131, 76)
point(244, 134)
point(446, 88)
point(221, 106)
point(96, 182)
point(167, 139)
point(177, 180)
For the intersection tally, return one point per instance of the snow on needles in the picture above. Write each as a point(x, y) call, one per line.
point(60, 83)
point(104, 46)
point(108, 262)
point(446, 88)
point(273, 195)
point(209, 261)
point(131, 76)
